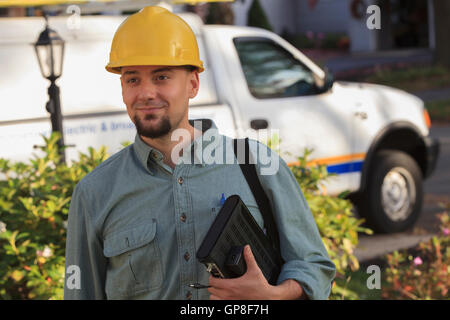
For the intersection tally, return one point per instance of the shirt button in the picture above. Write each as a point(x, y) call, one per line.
point(180, 180)
point(183, 217)
point(187, 256)
point(156, 156)
point(189, 295)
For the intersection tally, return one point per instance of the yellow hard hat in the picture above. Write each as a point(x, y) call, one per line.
point(153, 36)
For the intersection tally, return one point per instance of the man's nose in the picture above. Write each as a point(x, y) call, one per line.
point(147, 91)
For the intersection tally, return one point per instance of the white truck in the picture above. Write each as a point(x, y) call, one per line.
point(374, 137)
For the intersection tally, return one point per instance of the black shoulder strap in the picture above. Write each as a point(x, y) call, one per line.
point(249, 171)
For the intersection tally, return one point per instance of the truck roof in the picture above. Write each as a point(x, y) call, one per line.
point(27, 29)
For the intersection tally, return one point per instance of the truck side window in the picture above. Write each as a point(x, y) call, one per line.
point(271, 71)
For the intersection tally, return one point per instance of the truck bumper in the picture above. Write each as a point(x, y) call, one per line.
point(432, 147)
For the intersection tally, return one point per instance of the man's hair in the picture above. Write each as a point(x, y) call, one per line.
point(190, 68)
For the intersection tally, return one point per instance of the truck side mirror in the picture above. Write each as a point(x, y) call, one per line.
point(328, 80)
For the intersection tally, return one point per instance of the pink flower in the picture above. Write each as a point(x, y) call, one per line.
point(418, 261)
point(310, 35)
point(320, 35)
point(446, 231)
point(46, 253)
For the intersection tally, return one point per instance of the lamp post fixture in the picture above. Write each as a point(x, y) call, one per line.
point(50, 53)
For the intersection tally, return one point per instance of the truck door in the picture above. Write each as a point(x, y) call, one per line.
point(276, 89)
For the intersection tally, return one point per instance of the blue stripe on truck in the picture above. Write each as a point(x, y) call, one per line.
point(345, 167)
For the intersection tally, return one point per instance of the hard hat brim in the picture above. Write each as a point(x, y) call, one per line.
point(114, 67)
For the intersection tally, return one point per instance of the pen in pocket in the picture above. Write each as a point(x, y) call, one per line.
point(198, 286)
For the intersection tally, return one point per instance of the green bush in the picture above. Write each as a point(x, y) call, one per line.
point(335, 220)
point(220, 13)
point(34, 203)
point(411, 78)
point(424, 274)
point(317, 40)
point(256, 17)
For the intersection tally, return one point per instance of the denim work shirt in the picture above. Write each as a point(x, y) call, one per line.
point(135, 224)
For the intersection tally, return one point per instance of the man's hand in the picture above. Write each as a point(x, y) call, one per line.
point(252, 285)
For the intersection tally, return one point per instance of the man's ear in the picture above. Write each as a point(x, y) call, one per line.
point(121, 85)
point(194, 83)
point(121, 81)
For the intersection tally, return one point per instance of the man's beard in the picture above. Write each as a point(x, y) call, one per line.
point(159, 129)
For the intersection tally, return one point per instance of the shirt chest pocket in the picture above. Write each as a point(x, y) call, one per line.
point(251, 206)
point(135, 265)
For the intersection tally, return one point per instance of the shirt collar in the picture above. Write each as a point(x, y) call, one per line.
point(146, 153)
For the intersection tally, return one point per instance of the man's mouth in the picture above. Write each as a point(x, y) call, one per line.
point(150, 110)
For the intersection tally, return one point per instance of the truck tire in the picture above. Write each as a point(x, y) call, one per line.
point(393, 198)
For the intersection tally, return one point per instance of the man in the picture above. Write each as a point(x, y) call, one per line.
point(137, 220)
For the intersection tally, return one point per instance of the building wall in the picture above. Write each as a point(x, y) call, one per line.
point(329, 16)
point(296, 16)
point(326, 16)
point(282, 14)
point(362, 39)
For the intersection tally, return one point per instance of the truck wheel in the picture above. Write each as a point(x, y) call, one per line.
point(394, 194)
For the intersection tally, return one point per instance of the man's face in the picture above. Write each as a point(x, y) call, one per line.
point(157, 97)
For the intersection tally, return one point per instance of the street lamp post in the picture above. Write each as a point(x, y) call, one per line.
point(50, 53)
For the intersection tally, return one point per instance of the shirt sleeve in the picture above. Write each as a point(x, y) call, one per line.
point(85, 262)
point(305, 256)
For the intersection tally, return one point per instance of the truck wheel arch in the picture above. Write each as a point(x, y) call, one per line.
point(403, 136)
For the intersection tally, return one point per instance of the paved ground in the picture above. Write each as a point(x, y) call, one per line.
point(437, 189)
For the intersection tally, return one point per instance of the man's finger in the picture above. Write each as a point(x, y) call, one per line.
point(214, 291)
point(218, 283)
point(250, 258)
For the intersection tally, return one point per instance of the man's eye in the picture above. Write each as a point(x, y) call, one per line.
point(162, 78)
point(132, 80)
